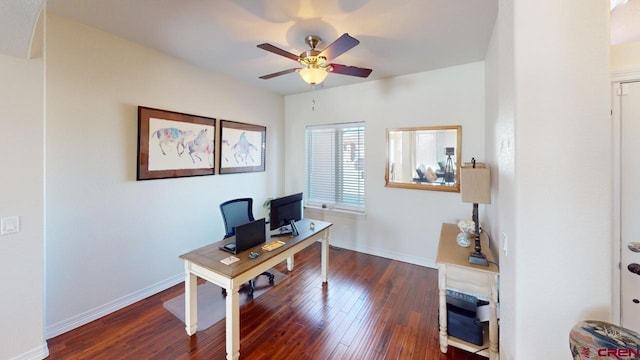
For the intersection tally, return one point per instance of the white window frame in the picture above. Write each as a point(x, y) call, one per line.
point(346, 161)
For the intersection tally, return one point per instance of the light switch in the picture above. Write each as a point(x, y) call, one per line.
point(504, 244)
point(9, 225)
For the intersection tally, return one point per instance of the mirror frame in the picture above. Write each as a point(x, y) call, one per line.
point(427, 185)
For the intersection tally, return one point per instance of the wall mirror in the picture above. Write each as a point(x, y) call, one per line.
point(426, 158)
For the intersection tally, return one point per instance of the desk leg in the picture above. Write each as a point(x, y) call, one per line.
point(233, 323)
point(325, 256)
point(290, 263)
point(493, 319)
point(191, 301)
point(442, 294)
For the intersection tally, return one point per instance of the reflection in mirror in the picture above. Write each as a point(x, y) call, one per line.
point(425, 158)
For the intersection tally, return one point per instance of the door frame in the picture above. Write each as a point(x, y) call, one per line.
point(618, 77)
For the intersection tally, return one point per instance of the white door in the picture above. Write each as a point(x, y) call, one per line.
point(630, 205)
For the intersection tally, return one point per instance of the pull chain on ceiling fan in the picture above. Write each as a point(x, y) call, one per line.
point(316, 64)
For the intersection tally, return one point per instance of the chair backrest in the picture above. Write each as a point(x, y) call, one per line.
point(236, 212)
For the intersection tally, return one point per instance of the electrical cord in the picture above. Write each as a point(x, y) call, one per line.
point(482, 230)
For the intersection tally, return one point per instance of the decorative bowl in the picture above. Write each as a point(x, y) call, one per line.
point(467, 226)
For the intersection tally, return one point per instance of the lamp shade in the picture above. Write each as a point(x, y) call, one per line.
point(475, 184)
point(313, 75)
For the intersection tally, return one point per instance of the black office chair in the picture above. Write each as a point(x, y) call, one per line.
point(238, 212)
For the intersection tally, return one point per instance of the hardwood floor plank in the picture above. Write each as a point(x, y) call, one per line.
point(372, 308)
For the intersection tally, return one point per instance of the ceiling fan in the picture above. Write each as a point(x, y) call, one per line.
point(317, 64)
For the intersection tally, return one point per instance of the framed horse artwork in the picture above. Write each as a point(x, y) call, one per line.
point(172, 144)
point(242, 147)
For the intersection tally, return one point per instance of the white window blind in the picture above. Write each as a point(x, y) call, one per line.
point(335, 166)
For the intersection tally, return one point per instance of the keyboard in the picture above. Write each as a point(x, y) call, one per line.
point(272, 245)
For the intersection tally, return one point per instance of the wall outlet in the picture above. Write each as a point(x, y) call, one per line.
point(9, 225)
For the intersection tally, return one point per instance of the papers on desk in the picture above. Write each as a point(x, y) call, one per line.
point(230, 260)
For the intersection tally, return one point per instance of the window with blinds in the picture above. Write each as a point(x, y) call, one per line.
point(335, 166)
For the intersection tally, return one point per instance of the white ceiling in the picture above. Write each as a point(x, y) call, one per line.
point(17, 23)
point(396, 37)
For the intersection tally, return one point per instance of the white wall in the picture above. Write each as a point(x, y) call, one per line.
point(625, 56)
point(500, 147)
point(559, 242)
point(402, 224)
point(112, 240)
point(22, 194)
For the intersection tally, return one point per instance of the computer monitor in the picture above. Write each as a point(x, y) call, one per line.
point(285, 211)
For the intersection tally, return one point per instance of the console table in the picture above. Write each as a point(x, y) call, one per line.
point(455, 272)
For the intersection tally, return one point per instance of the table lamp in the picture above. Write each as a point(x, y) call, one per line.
point(475, 187)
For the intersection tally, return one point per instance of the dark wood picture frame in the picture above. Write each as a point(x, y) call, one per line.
point(172, 144)
point(242, 147)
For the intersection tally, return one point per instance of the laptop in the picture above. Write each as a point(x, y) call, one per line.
point(247, 236)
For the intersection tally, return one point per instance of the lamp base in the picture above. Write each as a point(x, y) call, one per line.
point(478, 258)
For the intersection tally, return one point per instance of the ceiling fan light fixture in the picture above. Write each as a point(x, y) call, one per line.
point(314, 64)
point(313, 75)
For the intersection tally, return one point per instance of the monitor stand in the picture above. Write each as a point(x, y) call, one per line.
point(293, 231)
point(282, 233)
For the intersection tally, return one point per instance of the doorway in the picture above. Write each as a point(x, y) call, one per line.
point(627, 123)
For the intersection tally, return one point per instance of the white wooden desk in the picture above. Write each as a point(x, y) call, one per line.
point(205, 263)
point(455, 272)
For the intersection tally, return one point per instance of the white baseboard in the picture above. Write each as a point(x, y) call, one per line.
point(38, 353)
point(430, 263)
point(110, 307)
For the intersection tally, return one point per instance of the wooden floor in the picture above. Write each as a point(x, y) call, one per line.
point(372, 308)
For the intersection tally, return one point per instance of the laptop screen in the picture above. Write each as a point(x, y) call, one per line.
point(250, 234)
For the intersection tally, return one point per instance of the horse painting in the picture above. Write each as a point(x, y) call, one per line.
point(224, 143)
point(172, 135)
point(242, 149)
point(201, 145)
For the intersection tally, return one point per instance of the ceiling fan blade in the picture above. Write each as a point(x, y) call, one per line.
point(283, 72)
point(339, 47)
point(350, 70)
point(278, 51)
